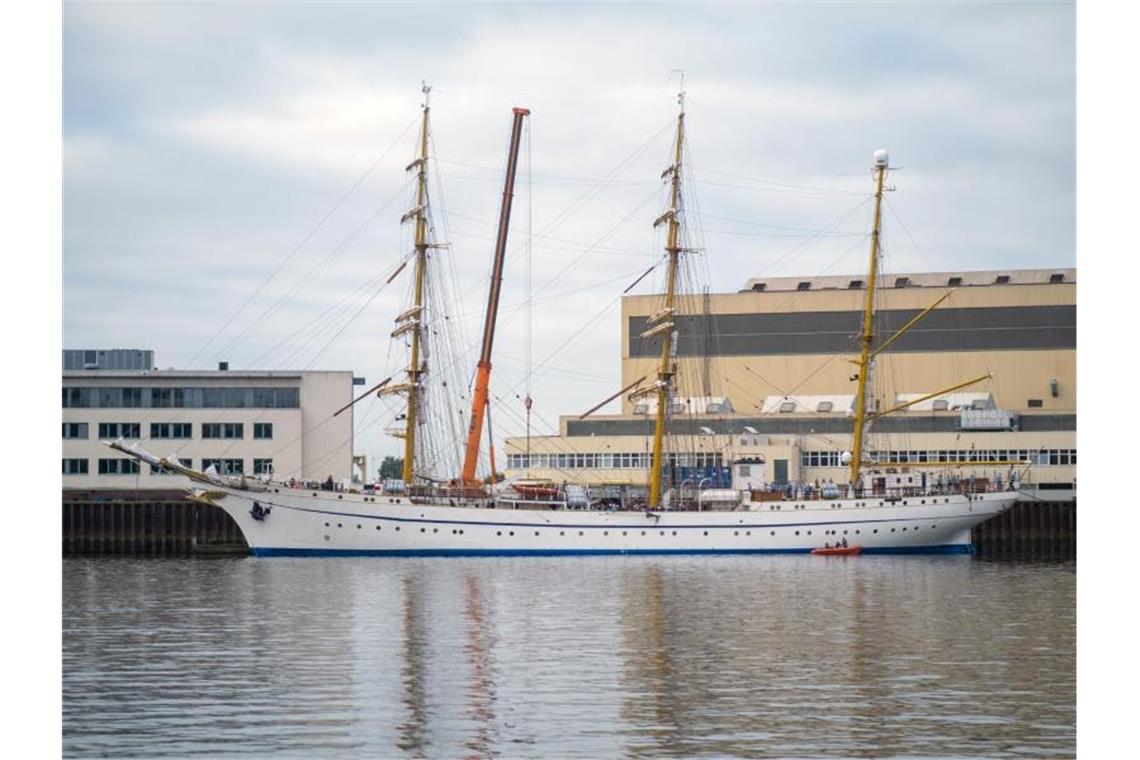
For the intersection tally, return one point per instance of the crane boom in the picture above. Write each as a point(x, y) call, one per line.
point(483, 370)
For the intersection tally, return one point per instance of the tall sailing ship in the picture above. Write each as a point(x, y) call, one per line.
point(462, 516)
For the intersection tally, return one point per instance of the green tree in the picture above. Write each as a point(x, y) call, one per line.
point(392, 468)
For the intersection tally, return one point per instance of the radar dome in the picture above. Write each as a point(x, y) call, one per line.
point(845, 458)
point(881, 157)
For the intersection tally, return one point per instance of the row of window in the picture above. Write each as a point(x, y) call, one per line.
point(125, 466)
point(1034, 456)
point(109, 430)
point(177, 398)
point(610, 461)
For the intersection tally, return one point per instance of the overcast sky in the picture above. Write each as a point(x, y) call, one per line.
point(204, 144)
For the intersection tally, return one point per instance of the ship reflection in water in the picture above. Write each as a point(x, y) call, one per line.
point(618, 656)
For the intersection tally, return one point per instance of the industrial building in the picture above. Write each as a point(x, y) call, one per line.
point(241, 422)
point(771, 388)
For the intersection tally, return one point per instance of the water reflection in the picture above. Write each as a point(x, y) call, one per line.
point(570, 657)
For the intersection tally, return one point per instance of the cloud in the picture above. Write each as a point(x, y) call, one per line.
point(208, 146)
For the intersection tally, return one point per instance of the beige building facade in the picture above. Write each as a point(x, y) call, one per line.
point(243, 422)
point(770, 382)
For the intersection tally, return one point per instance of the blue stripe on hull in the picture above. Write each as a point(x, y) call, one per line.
point(286, 552)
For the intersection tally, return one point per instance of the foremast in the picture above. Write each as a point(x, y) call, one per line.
point(664, 317)
point(867, 336)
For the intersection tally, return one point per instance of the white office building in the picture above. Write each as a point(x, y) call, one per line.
point(239, 421)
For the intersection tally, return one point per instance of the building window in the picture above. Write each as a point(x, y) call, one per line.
point(160, 470)
point(855, 285)
point(954, 282)
point(1002, 279)
point(262, 430)
point(1058, 277)
point(167, 398)
point(76, 398)
point(263, 467)
point(1034, 403)
point(75, 467)
point(902, 282)
point(170, 429)
point(224, 466)
point(803, 286)
point(75, 430)
point(759, 287)
point(223, 430)
point(132, 397)
point(118, 430)
point(118, 467)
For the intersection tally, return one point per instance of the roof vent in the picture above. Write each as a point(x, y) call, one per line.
point(223, 366)
point(788, 406)
point(824, 406)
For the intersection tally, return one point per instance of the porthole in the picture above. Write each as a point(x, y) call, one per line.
point(736, 533)
point(892, 530)
point(643, 533)
point(536, 533)
point(377, 527)
point(326, 525)
point(359, 526)
point(748, 533)
point(562, 533)
point(932, 527)
point(876, 530)
point(797, 532)
point(498, 533)
point(397, 527)
point(461, 531)
point(326, 537)
point(339, 496)
point(845, 533)
point(423, 530)
point(706, 532)
point(663, 533)
point(625, 533)
point(580, 533)
point(773, 532)
point(904, 528)
point(856, 532)
point(340, 525)
point(606, 533)
point(511, 533)
point(674, 533)
point(809, 532)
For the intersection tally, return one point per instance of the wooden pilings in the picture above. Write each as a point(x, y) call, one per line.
point(167, 527)
point(1036, 530)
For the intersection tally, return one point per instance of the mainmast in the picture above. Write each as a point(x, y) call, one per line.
point(866, 356)
point(483, 370)
point(410, 320)
point(664, 317)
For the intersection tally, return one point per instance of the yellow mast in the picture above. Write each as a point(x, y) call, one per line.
point(867, 337)
point(414, 370)
point(665, 329)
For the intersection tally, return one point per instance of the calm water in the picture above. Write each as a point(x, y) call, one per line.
point(549, 657)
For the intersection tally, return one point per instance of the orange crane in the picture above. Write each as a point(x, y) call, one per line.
point(483, 369)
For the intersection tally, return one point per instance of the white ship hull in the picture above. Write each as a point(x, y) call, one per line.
point(315, 523)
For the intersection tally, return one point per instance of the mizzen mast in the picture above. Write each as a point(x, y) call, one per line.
point(867, 336)
point(664, 317)
point(483, 369)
